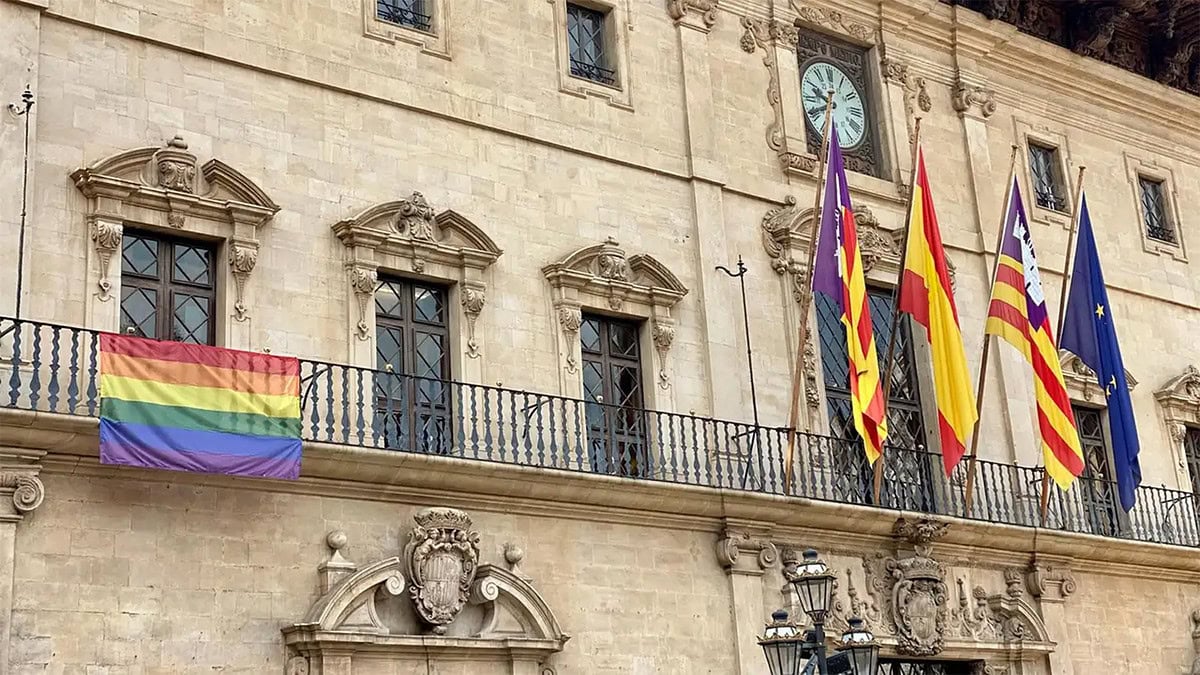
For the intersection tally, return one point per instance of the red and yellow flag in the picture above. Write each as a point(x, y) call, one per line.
point(1018, 315)
point(838, 273)
point(926, 295)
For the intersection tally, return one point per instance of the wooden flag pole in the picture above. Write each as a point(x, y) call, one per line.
point(891, 350)
point(806, 297)
point(1062, 314)
point(969, 492)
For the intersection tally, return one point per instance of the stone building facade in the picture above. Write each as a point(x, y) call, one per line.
point(491, 230)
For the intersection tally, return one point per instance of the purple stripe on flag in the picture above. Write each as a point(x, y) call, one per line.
point(1010, 245)
point(827, 277)
point(199, 451)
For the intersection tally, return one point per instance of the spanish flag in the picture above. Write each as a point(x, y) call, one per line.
point(838, 273)
point(1018, 315)
point(925, 294)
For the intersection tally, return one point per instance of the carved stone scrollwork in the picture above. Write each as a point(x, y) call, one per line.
point(1081, 380)
point(1050, 582)
point(741, 553)
point(664, 335)
point(973, 99)
point(176, 166)
point(1179, 400)
point(363, 281)
point(297, 665)
point(473, 300)
point(242, 259)
point(916, 96)
point(27, 490)
point(833, 19)
point(570, 318)
point(1195, 669)
point(706, 10)
point(106, 237)
point(415, 218)
point(442, 556)
point(973, 618)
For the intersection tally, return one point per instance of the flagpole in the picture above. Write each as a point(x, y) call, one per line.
point(891, 350)
point(1062, 313)
point(806, 297)
point(987, 343)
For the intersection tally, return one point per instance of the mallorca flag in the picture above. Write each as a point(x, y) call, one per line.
point(925, 294)
point(838, 273)
point(169, 405)
point(1018, 314)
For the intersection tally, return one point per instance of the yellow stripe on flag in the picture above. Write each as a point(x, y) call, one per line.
point(207, 398)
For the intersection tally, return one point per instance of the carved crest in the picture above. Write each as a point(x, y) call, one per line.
point(442, 555)
point(919, 605)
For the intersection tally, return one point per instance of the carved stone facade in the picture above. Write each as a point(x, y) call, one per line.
point(973, 99)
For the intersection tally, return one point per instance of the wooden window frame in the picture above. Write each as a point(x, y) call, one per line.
point(166, 286)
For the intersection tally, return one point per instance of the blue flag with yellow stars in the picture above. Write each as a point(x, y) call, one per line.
point(1089, 333)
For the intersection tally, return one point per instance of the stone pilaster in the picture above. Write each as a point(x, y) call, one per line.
point(1051, 581)
point(21, 491)
point(746, 556)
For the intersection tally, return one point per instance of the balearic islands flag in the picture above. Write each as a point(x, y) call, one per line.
point(926, 295)
point(169, 405)
point(838, 273)
point(1018, 314)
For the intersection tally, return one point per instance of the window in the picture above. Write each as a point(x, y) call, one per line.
point(1047, 177)
point(587, 44)
point(411, 13)
point(1154, 210)
point(897, 667)
point(1097, 491)
point(412, 353)
point(612, 388)
point(1191, 450)
point(167, 288)
point(907, 480)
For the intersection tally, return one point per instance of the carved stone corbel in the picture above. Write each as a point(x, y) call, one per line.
point(363, 281)
point(569, 319)
point(473, 300)
point(687, 12)
point(916, 96)
point(106, 237)
point(973, 99)
point(740, 553)
point(26, 489)
point(1050, 582)
point(1195, 669)
point(243, 256)
point(664, 335)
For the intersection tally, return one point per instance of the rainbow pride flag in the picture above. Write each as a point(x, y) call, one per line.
point(185, 407)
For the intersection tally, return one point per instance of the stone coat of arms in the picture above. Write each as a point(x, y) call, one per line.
point(919, 605)
point(442, 555)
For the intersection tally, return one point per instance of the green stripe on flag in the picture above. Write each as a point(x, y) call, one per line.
point(177, 417)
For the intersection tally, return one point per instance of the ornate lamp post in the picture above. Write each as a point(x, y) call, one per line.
point(859, 645)
point(814, 587)
point(781, 643)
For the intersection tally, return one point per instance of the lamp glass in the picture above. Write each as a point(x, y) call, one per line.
point(781, 643)
point(814, 586)
point(860, 646)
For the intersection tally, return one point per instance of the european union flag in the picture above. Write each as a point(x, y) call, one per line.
point(1089, 333)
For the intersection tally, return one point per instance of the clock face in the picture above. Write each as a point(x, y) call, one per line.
point(849, 108)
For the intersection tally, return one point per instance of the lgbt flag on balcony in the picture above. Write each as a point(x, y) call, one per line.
point(185, 407)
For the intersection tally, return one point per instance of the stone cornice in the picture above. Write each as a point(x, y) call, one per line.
point(357, 473)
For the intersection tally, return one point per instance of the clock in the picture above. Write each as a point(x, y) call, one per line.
point(827, 63)
point(849, 107)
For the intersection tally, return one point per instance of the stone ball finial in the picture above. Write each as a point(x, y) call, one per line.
point(177, 142)
point(513, 554)
point(336, 540)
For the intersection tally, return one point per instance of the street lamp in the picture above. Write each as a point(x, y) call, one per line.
point(860, 646)
point(814, 587)
point(781, 642)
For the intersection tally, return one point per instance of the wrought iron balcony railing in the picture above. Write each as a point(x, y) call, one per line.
point(52, 368)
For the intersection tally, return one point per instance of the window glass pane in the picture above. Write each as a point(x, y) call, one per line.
point(1191, 448)
point(428, 305)
point(1047, 185)
point(192, 265)
point(412, 13)
point(593, 381)
point(389, 348)
point(1154, 212)
point(589, 335)
point(585, 44)
point(623, 339)
point(139, 311)
point(139, 256)
point(389, 299)
point(190, 318)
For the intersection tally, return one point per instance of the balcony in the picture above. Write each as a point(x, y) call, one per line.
point(50, 368)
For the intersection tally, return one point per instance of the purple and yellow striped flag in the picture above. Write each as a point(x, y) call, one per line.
point(185, 407)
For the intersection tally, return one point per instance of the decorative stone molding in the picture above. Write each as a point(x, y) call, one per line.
point(1082, 383)
point(766, 35)
point(167, 188)
point(833, 20)
point(686, 12)
point(663, 335)
point(742, 553)
point(916, 96)
point(570, 318)
point(337, 568)
point(1179, 400)
point(604, 277)
point(1195, 669)
point(618, 25)
point(435, 41)
point(242, 259)
point(1050, 582)
point(442, 555)
point(785, 231)
point(1138, 167)
point(27, 490)
point(410, 236)
point(969, 99)
point(360, 616)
